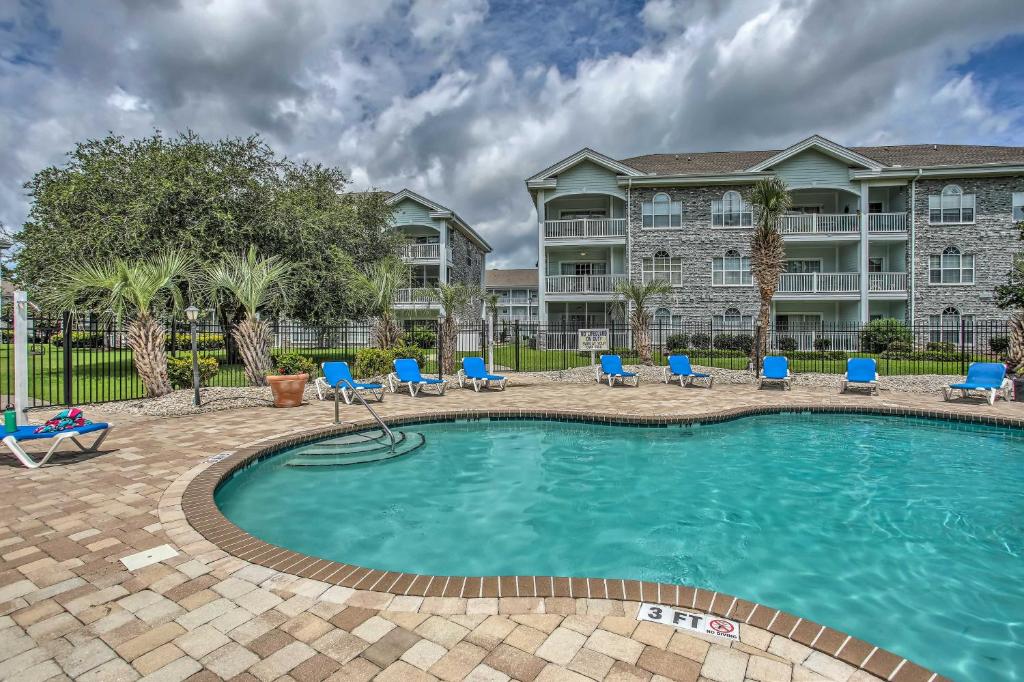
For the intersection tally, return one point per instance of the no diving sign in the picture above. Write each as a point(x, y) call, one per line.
point(701, 623)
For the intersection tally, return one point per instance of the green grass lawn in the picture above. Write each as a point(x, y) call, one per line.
point(99, 375)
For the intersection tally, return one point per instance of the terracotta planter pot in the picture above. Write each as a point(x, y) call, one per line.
point(288, 389)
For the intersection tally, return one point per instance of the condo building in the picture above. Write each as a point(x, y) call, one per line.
point(919, 233)
point(516, 290)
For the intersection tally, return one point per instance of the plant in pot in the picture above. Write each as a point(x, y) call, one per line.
point(288, 378)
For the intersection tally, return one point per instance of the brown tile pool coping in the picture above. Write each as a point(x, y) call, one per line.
point(202, 513)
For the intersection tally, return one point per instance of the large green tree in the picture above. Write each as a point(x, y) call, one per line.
point(135, 199)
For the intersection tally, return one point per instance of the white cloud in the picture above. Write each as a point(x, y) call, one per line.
point(413, 95)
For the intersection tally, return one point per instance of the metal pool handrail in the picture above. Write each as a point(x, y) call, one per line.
point(337, 409)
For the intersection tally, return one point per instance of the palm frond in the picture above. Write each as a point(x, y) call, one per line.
point(253, 282)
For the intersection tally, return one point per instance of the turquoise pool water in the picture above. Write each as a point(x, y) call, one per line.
point(906, 533)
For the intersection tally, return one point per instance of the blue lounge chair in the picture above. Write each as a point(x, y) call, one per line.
point(407, 371)
point(860, 372)
point(776, 370)
point(473, 370)
point(611, 367)
point(26, 433)
point(338, 376)
point(988, 377)
point(679, 366)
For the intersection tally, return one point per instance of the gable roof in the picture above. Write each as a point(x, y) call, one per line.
point(820, 144)
point(439, 211)
point(585, 154)
point(523, 278)
point(890, 156)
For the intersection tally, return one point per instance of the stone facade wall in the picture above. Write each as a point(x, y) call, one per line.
point(696, 242)
point(468, 261)
point(993, 239)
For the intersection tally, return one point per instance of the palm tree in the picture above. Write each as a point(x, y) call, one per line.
point(455, 300)
point(767, 250)
point(254, 283)
point(635, 297)
point(385, 278)
point(136, 292)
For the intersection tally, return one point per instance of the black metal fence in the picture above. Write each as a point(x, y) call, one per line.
point(97, 365)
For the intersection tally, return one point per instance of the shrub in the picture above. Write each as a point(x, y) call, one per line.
point(179, 370)
point(941, 347)
point(899, 349)
point(677, 342)
point(742, 342)
point(80, 339)
point(876, 336)
point(378, 362)
point(999, 344)
point(787, 343)
point(822, 343)
point(290, 362)
point(421, 338)
point(700, 340)
point(203, 341)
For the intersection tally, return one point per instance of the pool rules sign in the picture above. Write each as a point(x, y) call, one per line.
point(701, 623)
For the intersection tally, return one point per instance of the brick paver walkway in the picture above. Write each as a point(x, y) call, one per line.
point(70, 609)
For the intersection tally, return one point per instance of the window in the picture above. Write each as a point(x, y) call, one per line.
point(803, 265)
point(734, 319)
point(1018, 205)
point(951, 327)
point(577, 214)
point(952, 206)
point(663, 267)
point(663, 316)
point(731, 211)
point(952, 267)
point(731, 270)
point(583, 268)
point(876, 264)
point(874, 207)
point(662, 212)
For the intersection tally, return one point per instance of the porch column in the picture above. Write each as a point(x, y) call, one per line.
point(865, 313)
point(542, 266)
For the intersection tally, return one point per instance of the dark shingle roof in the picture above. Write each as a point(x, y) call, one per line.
point(907, 155)
point(514, 277)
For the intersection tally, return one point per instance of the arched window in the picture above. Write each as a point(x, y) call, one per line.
point(732, 318)
point(952, 267)
point(951, 206)
point(731, 270)
point(951, 327)
point(662, 266)
point(662, 316)
point(731, 211)
point(662, 212)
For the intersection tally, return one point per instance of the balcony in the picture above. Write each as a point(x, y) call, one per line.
point(422, 252)
point(416, 296)
point(887, 282)
point(583, 284)
point(887, 223)
point(819, 283)
point(585, 228)
point(819, 223)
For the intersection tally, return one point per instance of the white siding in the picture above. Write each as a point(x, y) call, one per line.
point(814, 169)
point(587, 178)
point(409, 212)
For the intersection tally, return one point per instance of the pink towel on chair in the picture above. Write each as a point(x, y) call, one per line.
point(64, 420)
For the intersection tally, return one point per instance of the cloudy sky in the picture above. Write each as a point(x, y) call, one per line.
point(461, 100)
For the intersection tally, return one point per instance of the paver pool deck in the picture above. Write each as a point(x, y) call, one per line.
point(69, 609)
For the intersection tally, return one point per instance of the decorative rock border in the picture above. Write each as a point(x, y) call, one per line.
point(202, 514)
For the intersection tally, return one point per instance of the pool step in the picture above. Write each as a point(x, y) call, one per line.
point(334, 447)
point(343, 455)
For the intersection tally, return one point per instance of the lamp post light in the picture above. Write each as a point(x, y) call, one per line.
point(192, 313)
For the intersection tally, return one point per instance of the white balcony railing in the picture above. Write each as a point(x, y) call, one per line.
point(421, 251)
point(882, 223)
point(583, 284)
point(417, 295)
point(819, 223)
point(585, 227)
point(887, 282)
point(819, 283)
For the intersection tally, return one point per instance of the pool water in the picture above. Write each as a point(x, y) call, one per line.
point(906, 533)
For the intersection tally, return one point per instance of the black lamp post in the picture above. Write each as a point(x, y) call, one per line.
point(192, 313)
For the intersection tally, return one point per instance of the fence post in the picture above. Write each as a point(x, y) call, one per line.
point(20, 321)
point(758, 349)
point(711, 342)
point(515, 328)
point(440, 350)
point(963, 335)
point(68, 356)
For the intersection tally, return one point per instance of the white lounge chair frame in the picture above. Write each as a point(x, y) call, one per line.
point(414, 386)
point(14, 445)
point(686, 379)
point(1005, 391)
point(477, 382)
point(787, 382)
point(599, 374)
point(872, 386)
point(322, 389)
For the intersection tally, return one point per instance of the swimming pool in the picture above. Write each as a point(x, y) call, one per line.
point(907, 533)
